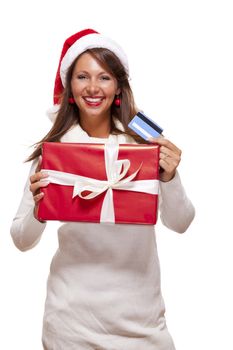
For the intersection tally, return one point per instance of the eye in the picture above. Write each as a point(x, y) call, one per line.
point(81, 76)
point(105, 77)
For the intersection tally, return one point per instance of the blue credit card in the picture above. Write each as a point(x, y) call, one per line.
point(145, 127)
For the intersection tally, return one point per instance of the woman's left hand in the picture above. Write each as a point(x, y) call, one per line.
point(170, 157)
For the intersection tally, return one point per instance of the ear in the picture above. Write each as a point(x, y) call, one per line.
point(118, 91)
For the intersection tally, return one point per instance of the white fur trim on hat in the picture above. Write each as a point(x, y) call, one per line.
point(52, 112)
point(89, 42)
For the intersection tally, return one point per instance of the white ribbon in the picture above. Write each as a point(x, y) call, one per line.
point(116, 171)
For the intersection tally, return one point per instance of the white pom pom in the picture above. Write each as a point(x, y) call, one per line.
point(52, 112)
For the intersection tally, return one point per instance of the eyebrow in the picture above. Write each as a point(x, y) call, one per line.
point(86, 72)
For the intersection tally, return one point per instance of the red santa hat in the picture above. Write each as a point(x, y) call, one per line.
point(74, 46)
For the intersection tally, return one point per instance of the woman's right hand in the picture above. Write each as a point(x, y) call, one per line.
point(36, 184)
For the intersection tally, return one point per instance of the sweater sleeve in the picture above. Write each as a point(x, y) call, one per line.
point(26, 230)
point(176, 210)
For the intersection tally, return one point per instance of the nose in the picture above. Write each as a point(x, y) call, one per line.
point(92, 87)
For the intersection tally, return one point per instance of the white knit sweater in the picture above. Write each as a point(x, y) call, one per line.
point(103, 290)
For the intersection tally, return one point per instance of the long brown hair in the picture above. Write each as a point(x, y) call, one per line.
point(68, 114)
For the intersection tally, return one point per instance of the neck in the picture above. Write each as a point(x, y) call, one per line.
point(96, 128)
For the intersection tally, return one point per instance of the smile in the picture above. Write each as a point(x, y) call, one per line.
point(93, 101)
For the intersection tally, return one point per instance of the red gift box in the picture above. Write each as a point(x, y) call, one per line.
point(100, 182)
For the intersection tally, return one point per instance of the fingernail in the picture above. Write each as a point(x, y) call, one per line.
point(45, 183)
point(45, 174)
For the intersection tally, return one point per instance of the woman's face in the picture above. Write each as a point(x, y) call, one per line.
point(93, 88)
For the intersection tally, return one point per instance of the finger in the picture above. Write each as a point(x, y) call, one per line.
point(34, 187)
point(164, 156)
point(155, 139)
point(163, 164)
point(38, 176)
point(166, 152)
point(168, 144)
point(169, 164)
point(165, 142)
point(38, 197)
point(167, 172)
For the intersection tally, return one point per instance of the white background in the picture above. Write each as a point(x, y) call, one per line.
point(181, 59)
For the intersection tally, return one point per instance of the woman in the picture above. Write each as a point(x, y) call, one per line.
point(103, 290)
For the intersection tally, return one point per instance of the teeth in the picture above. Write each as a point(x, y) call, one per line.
point(90, 99)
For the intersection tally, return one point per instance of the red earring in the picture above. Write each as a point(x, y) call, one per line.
point(117, 101)
point(71, 101)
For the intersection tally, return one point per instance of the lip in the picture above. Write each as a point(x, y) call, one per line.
point(93, 101)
